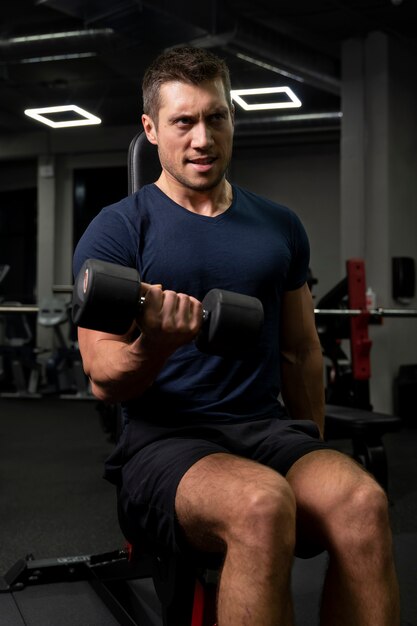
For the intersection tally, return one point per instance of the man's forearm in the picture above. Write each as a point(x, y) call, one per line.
point(122, 371)
point(302, 384)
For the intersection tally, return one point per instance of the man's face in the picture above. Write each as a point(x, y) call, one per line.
point(194, 133)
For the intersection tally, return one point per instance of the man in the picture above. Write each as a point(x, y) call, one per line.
point(209, 459)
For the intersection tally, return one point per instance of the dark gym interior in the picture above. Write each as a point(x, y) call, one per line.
point(345, 161)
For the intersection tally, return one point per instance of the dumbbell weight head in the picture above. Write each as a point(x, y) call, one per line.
point(106, 297)
point(232, 324)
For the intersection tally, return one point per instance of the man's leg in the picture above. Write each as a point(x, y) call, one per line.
point(249, 511)
point(341, 506)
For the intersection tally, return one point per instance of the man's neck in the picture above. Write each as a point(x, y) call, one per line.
point(211, 203)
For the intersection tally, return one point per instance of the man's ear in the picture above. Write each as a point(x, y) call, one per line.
point(150, 129)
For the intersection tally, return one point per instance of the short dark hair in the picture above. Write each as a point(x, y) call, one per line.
point(185, 64)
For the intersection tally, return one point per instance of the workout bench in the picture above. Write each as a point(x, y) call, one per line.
point(113, 588)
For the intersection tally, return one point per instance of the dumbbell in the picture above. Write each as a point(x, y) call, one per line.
point(106, 297)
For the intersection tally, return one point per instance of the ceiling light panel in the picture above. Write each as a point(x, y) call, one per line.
point(290, 103)
point(89, 32)
point(59, 57)
point(41, 115)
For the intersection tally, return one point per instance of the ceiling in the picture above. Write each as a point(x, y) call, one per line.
point(265, 42)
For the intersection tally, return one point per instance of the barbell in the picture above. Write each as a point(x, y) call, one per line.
point(379, 312)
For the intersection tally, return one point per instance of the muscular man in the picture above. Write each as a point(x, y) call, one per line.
point(209, 458)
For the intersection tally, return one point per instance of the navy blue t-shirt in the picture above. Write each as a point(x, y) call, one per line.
point(255, 247)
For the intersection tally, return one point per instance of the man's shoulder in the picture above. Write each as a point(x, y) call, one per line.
point(131, 205)
point(114, 232)
point(244, 195)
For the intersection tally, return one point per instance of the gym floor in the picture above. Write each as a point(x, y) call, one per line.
point(54, 502)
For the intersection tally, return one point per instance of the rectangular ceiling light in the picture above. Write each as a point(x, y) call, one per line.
point(290, 103)
point(84, 117)
point(58, 57)
point(88, 32)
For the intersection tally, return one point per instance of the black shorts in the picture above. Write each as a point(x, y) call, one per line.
point(151, 477)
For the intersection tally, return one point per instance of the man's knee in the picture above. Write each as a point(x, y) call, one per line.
point(370, 506)
point(265, 515)
point(244, 505)
point(363, 519)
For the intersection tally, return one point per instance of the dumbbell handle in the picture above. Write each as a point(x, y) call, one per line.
point(205, 314)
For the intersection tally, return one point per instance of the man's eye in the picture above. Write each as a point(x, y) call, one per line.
point(217, 118)
point(184, 121)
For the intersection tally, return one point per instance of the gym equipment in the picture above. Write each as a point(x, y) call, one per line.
point(405, 393)
point(17, 307)
point(403, 279)
point(348, 410)
point(365, 429)
point(19, 366)
point(375, 315)
point(106, 297)
point(134, 590)
point(36, 371)
point(342, 314)
point(19, 370)
point(63, 369)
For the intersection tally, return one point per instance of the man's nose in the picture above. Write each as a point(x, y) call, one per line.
point(202, 136)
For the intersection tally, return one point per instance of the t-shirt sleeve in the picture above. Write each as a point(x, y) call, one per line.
point(300, 259)
point(111, 236)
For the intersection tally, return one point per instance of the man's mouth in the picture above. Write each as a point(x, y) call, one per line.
point(202, 164)
point(208, 160)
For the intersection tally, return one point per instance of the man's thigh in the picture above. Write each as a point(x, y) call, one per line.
point(146, 498)
point(215, 493)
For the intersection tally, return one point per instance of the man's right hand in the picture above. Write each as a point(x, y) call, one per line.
point(168, 319)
